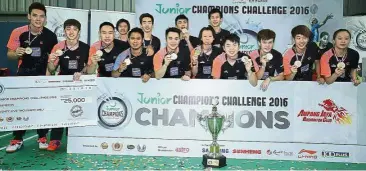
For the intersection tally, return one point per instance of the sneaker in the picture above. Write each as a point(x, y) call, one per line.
point(14, 146)
point(42, 143)
point(53, 145)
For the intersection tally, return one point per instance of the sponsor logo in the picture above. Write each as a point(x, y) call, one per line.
point(330, 113)
point(222, 150)
point(25, 118)
point(117, 146)
point(182, 150)
point(247, 1)
point(307, 154)
point(246, 151)
point(9, 119)
point(76, 111)
point(1, 119)
point(2, 89)
point(90, 146)
point(164, 149)
point(279, 153)
point(19, 118)
point(335, 154)
point(130, 147)
point(104, 145)
point(141, 148)
point(114, 112)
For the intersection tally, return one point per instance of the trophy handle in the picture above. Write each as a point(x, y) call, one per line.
point(228, 122)
point(202, 120)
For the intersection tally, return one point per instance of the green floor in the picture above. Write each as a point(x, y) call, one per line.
point(31, 158)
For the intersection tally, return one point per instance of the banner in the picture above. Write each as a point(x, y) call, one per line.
point(247, 18)
point(100, 16)
point(172, 110)
point(47, 102)
point(56, 17)
point(357, 26)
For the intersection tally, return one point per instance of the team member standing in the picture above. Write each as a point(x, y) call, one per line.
point(187, 41)
point(171, 61)
point(122, 26)
point(134, 62)
point(72, 56)
point(103, 53)
point(340, 63)
point(150, 41)
point(203, 55)
point(298, 60)
point(234, 67)
point(215, 17)
point(30, 45)
point(268, 62)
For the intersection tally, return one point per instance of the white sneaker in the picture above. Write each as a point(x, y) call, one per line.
point(14, 146)
point(42, 143)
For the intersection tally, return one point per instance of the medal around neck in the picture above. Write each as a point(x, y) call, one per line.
point(127, 61)
point(99, 53)
point(341, 65)
point(173, 56)
point(298, 64)
point(28, 50)
point(269, 56)
point(197, 52)
point(59, 52)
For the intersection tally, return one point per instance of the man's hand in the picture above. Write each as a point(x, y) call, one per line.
point(145, 78)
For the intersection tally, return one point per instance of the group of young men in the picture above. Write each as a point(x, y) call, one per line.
point(214, 54)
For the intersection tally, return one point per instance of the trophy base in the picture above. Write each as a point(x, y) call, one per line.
point(214, 162)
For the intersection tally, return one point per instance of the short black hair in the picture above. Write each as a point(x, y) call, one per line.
point(213, 11)
point(106, 24)
point(72, 22)
point(302, 30)
point(341, 30)
point(136, 30)
point(172, 29)
point(146, 15)
point(38, 6)
point(324, 33)
point(209, 28)
point(181, 17)
point(123, 21)
point(232, 37)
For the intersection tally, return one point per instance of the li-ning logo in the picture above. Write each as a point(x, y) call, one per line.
point(308, 154)
point(330, 113)
point(141, 148)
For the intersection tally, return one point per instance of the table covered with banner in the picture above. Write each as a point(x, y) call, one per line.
point(290, 121)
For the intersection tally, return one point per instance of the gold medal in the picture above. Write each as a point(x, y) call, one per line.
point(341, 65)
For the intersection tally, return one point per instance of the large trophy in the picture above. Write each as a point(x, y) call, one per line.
point(215, 123)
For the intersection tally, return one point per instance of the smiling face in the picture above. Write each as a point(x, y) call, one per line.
point(71, 32)
point(231, 49)
point(215, 20)
point(37, 18)
point(301, 41)
point(266, 45)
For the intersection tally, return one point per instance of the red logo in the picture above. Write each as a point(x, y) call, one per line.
point(330, 113)
point(182, 150)
point(244, 151)
point(307, 154)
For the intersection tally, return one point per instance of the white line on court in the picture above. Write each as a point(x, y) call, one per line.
point(5, 135)
point(2, 148)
